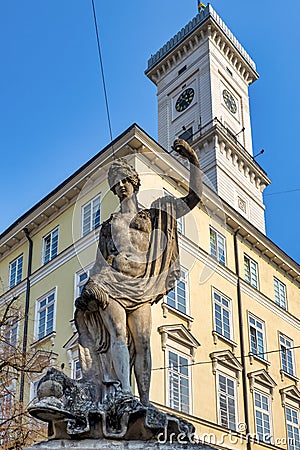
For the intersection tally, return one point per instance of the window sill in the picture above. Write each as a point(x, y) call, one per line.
point(288, 375)
point(49, 337)
point(167, 308)
point(253, 357)
point(217, 336)
point(284, 308)
point(45, 263)
point(250, 284)
point(223, 264)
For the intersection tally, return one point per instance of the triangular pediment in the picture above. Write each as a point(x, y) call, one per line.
point(261, 377)
point(227, 359)
point(41, 359)
point(72, 342)
point(290, 392)
point(181, 334)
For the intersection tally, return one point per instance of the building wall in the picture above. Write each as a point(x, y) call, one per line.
point(191, 334)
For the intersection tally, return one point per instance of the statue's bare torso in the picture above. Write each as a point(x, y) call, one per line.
point(128, 244)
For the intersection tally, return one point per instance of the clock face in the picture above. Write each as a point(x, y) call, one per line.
point(185, 99)
point(229, 101)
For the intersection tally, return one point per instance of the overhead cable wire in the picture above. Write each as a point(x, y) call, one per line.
point(102, 71)
point(283, 192)
point(227, 358)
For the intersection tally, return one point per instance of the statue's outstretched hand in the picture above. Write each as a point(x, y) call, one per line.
point(184, 149)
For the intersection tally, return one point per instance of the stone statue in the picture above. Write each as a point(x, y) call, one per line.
point(137, 263)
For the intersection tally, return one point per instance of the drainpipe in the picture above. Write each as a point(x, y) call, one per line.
point(242, 343)
point(26, 312)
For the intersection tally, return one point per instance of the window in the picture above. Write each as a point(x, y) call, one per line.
point(251, 271)
point(280, 293)
point(227, 401)
point(286, 354)
point(6, 405)
point(180, 71)
point(222, 315)
point(178, 296)
point(45, 316)
point(217, 246)
point(187, 135)
point(180, 225)
point(262, 416)
point(257, 336)
point(15, 271)
point(91, 215)
point(180, 220)
point(33, 389)
point(11, 335)
point(80, 280)
point(76, 372)
point(179, 382)
point(292, 425)
point(50, 246)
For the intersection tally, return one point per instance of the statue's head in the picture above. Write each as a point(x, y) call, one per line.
point(120, 170)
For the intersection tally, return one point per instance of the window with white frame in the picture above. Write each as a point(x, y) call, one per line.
point(81, 278)
point(286, 355)
point(11, 331)
point(45, 315)
point(50, 246)
point(293, 428)
point(6, 404)
point(33, 389)
point(217, 246)
point(179, 382)
point(222, 315)
point(280, 293)
point(251, 271)
point(257, 336)
point(178, 296)
point(76, 369)
point(227, 401)
point(180, 220)
point(15, 272)
point(262, 412)
point(91, 215)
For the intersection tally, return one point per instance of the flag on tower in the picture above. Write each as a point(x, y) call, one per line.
point(200, 6)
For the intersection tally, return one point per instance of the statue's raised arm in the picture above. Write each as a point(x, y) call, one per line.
point(185, 204)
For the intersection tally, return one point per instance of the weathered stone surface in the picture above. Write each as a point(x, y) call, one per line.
point(90, 444)
point(137, 263)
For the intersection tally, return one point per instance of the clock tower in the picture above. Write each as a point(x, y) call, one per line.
point(202, 76)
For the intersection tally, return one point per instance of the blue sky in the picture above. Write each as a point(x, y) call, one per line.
point(52, 109)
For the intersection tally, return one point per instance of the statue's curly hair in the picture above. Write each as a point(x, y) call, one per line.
point(119, 170)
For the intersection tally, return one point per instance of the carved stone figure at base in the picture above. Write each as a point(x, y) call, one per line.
point(137, 263)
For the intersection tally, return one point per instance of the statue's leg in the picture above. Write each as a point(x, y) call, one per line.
point(114, 319)
point(139, 324)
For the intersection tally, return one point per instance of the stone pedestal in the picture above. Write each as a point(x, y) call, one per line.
point(103, 444)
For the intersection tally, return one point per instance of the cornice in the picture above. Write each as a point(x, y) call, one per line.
point(270, 305)
point(230, 147)
point(207, 25)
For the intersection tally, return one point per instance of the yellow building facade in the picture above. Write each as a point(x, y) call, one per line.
point(225, 341)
